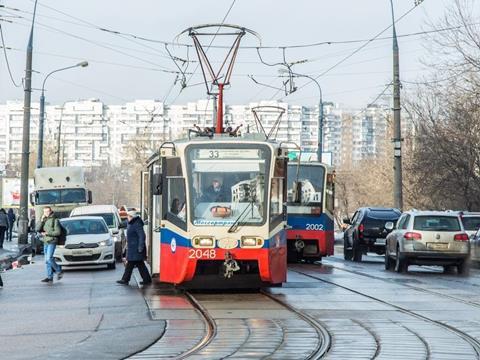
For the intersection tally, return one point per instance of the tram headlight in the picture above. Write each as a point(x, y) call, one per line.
point(251, 242)
point(203, 242)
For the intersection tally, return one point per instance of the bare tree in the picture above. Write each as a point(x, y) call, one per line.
point(446, 159)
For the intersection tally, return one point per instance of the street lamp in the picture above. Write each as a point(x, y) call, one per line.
point(320, 111)
point(42, 111)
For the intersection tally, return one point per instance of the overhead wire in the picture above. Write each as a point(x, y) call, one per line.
point(4, 46)
point(338, 63)
point(280, 46)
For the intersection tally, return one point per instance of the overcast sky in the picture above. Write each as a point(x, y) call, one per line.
point(122, 69)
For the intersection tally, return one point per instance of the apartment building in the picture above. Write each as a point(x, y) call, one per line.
point(95, 134)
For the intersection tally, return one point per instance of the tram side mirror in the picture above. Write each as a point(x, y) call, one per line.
point(389, 225)
point(157, 184)
point(90, 198)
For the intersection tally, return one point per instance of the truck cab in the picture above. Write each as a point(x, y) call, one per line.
point(61, 188)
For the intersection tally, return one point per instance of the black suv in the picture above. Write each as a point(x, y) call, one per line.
point(367, 232)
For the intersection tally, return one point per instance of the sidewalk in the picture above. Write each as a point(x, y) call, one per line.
point(10, 252)
point(86, 315)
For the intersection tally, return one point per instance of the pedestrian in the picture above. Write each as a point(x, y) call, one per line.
point(3, 226)
point(136, 250)
point(11, 221)
point(49, 228)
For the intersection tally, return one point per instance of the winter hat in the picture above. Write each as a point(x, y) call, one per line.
point(132, 213)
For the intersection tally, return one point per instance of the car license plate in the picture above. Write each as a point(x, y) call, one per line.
point(380, 241)
point(437, 246)
point(82, 252)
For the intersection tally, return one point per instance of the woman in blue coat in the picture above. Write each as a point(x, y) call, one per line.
point(136, 250)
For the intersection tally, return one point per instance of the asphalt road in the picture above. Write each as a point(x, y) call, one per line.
point(367, 312)
point(86, 315)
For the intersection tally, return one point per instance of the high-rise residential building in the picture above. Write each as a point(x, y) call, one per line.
point(95, 134)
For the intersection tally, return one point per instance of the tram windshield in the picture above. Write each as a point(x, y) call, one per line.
point(228, 185)
point(312, 180)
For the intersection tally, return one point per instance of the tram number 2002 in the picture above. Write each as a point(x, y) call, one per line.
point(314, 227)
point(202, 253)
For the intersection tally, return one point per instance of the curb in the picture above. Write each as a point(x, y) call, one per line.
point(21, 255)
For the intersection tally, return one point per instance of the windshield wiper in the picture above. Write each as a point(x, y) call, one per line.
point(236, 223)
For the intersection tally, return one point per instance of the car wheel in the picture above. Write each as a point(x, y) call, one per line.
point(449, 269)
point(112, 265)
point(401, 265)
point(463, 268)
point(347, 252)
point(357, 252)
point(388, 262)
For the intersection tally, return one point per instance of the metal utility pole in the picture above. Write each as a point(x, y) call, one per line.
point(397, 126)
point(58, 138)
point(23, 211)
point(41, 121)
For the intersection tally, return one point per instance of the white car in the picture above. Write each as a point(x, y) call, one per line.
point(110, 214)
point(89, 242)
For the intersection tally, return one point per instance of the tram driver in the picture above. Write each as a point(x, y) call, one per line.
point(215, 192)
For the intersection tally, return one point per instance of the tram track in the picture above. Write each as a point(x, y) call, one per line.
point(211, 327)
point(323, 334)
point(413, 287)
point(473, 342)
point(321, 347)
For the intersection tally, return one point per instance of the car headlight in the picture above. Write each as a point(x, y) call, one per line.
point(105, 242)
point(203, 242)
point(251, 242)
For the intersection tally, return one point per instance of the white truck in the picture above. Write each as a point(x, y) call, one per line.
point(61, 188)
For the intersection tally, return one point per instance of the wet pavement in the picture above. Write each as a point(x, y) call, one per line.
point(365, 312)
point(86, 315)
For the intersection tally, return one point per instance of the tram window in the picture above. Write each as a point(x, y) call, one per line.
point(276, 198)
point(174, 208)
point(174, 167)
point(176, 197)
point(277, 191)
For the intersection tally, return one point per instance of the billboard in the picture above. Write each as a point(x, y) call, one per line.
point(11, 191)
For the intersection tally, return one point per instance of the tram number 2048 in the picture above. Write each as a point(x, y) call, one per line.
point(202, 253)
point(314, 227)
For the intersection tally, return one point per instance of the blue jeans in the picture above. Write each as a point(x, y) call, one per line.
point(48, 250)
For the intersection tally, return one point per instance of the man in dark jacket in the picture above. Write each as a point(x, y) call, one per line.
point(11, 221)
point(3, 226)
point(136, 250)
point(49, 227)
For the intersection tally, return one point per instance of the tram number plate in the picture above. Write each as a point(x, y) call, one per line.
point(314, 227)
point(202, 254)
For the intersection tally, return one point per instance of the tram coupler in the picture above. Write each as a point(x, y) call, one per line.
point(299, 245)
point(230, 265)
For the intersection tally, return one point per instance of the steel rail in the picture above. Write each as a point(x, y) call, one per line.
point(323, 335)
point(474, 343)
point(451, 297)
point(210, 325)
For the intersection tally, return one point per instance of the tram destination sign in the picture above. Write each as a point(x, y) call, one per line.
point(204, 154)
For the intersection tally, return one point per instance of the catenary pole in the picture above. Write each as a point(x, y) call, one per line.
point(23, 211)
point(397, 127)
